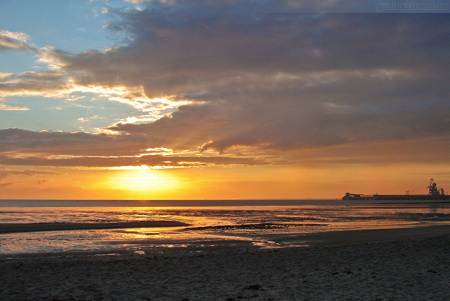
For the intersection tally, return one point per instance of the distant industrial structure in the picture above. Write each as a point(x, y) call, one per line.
point(434, 193)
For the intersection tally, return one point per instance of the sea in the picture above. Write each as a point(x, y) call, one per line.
point(206, 224)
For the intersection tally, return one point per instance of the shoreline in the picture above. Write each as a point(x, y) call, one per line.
point(278, 241)
point(411, 267)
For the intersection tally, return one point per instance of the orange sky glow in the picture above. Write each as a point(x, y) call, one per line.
point(325, 177)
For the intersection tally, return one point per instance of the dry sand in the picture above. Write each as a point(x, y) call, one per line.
point(415, 266)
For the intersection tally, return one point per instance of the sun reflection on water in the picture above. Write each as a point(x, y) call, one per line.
point(207, 226)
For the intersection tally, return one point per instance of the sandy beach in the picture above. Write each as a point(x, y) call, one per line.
point(412, 266)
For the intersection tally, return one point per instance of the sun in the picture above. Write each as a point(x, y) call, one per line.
point(144, 182)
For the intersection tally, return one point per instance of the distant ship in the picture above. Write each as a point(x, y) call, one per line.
point(434, 193)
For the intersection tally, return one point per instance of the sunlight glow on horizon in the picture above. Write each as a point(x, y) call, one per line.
point(144, 182)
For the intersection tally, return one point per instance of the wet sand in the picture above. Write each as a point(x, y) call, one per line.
point(38, 227)
point(408, 264)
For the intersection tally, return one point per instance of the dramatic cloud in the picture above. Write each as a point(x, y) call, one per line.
point(277, 80)
point(232, 75)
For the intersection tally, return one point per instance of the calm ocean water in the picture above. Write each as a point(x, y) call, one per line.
point(211, 224)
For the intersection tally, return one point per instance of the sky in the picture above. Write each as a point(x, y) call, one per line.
point(177, 99)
